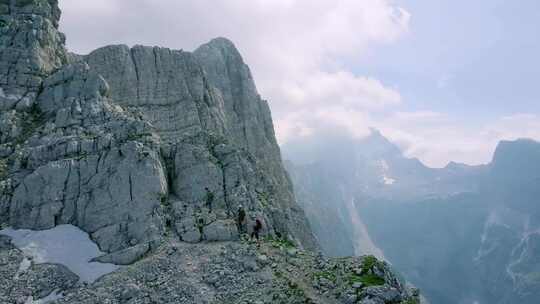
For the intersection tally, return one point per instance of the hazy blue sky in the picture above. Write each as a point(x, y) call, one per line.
point(478, 59)
point(445, 79)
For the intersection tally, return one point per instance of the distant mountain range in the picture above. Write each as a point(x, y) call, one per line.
point(463, 234)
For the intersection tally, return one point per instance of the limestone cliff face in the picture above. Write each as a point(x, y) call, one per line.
point(130, 144)
point(31, 46)
point(148, 150)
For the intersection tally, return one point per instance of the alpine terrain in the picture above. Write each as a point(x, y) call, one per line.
point(463, 234)
point(123, 172)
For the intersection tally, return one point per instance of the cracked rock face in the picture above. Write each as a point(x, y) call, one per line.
point(132, 144)
point(31, 46)
point(82, 166)
point(153, 152)
point(216, 135)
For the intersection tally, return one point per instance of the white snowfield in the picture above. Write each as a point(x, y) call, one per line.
point(66, 245)
point(55, 295)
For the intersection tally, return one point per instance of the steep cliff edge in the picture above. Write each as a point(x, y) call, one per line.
point(130, 143)
point(151, 151)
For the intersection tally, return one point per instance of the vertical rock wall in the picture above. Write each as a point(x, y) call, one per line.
point(129, 143)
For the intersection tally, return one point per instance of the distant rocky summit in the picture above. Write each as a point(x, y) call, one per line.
point(463, 234)
point(152, 152)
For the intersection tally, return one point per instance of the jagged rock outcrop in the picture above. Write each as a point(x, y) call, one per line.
point(152, 152)
point(130, 143)
point(31, 48)
point(82, 166)
point(216, 133)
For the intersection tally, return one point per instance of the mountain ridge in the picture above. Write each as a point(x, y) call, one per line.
point(461, 233)
point(152, 153)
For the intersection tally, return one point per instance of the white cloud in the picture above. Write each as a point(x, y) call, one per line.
point(322, 120)
point(295, 49)
point(513, 127)
point(436, 138)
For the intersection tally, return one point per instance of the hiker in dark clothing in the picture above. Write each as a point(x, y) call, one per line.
point(209, 198)
point(241, 219)
point(256, 229)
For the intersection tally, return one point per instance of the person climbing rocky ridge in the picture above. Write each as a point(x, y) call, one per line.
point(150, 151)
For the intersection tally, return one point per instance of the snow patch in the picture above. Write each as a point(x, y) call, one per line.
point(55, 295)
point(384, 173)
point(384, 165)
point(362, 242)
point(25, 264)
point(388, 180)
point(495, 218)
point(521, 249)
point(66, 245)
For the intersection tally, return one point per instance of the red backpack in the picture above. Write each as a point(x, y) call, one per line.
point(258, 224)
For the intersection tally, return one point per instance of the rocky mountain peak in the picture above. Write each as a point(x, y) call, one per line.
point(377, 145)
point(515, 175)
point(516, 155)
point(222, 46)
point(152, 153)
point(47, 9)
point(129, 143)
point(30, 47)
point(223, 61)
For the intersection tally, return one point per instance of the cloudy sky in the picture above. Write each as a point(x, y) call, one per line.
point(445, 79)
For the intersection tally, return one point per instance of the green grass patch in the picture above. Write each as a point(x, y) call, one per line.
point(327, 275)
point(280, 242)
point(33, 120)
point(264, 198)
point(163, 199)
point(366, 279)
point(411, 301)
point(138, 136)
point(3, 169)
point(295, 290)
point(368, 263)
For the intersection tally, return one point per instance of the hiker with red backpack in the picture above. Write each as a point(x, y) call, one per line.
point(256, 230)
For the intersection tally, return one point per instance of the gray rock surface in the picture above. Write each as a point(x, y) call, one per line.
point(216, 132)
point(30, 46)
point(111, 141)
point(152, 152)
point(224, 272)
point(21, 279)
point(87, 164)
